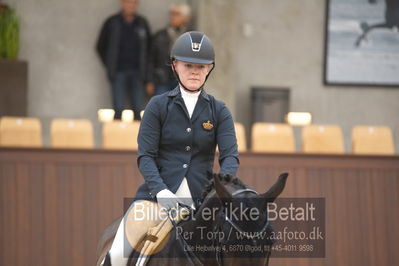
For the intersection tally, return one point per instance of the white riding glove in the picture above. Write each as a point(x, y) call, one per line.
point(169, 200)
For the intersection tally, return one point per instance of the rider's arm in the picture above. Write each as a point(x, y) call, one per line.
point(227, 142)
point(148, 142)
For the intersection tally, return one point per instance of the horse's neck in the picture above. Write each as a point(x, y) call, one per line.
point(209, 201)
point(209, 212)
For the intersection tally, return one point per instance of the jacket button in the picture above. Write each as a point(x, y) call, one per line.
point(188, 130)
point(185, 165)
point(188, 148)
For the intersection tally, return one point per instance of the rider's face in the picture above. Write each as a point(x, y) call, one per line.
point(191, 75)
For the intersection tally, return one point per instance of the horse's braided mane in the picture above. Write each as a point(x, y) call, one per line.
point(225, 179)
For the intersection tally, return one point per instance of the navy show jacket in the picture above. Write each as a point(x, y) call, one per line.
point(173, 146)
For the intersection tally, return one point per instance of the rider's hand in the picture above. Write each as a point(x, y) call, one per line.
point(168, 200)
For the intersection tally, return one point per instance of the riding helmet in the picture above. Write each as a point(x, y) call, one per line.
point(193, 47)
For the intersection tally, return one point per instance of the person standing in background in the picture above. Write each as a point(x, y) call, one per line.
point(123, 46)
point(160, 74)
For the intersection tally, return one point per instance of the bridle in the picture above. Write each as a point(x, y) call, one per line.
point(190, 255)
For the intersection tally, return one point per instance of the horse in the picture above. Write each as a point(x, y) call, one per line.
point(223, 239)
point(391, 21)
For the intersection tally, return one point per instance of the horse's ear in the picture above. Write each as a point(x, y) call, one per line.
point(276, 189)
point(221, 190)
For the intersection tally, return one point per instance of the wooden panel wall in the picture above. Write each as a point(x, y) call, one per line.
point(55, 203)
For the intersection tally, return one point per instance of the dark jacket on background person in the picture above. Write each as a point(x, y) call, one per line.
point(173, 146)
point(109, 42)
point(392, 12)
point(160, 71)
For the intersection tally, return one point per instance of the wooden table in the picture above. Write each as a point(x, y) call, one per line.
point(54, 203)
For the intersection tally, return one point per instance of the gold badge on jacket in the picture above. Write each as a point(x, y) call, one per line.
point(207, 125)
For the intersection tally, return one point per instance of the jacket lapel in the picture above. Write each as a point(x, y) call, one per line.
point(202, 103)
point(178, 99)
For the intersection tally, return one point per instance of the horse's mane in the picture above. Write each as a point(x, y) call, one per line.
point(225, 179)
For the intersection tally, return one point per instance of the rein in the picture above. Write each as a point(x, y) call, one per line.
point(190, 255)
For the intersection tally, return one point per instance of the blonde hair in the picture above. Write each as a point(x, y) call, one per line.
point(184, 8)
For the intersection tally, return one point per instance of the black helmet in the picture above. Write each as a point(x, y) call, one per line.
point(193, 47)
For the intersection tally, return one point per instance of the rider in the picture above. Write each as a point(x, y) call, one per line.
point(177, 140)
